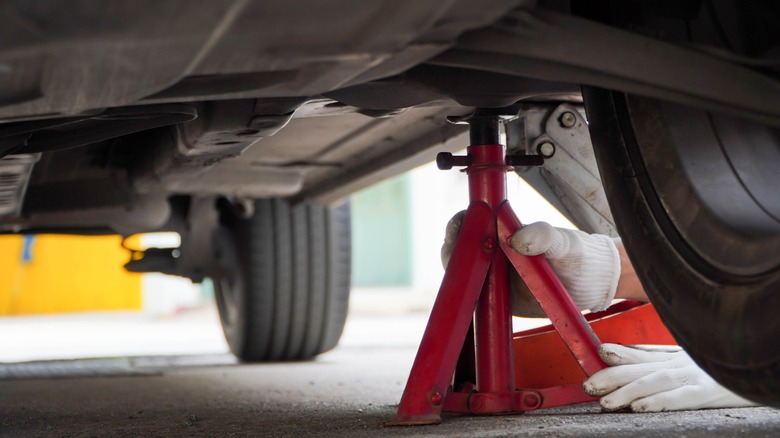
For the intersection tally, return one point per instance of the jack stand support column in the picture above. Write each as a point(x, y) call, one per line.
point(476, 285)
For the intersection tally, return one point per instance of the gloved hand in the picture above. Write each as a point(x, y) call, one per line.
point(523, 302)
point(654, 381)
point(588, 265)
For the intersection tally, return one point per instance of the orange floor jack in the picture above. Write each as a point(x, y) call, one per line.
point(469, 361)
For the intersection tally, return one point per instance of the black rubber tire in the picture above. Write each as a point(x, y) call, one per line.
point(689, 256)
point(288, 297)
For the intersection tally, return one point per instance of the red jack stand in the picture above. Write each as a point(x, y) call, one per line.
point(477, 282)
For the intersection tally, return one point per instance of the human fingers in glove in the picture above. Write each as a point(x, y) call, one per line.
point(523, 302)
point(647, 380)
point(593, 268)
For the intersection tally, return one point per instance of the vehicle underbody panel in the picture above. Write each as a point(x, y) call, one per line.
point(306, 101)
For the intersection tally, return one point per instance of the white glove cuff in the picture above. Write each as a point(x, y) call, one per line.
point(597, 286)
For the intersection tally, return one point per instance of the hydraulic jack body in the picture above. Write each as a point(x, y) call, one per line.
point(476, 284)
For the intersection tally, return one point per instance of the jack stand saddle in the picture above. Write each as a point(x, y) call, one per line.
point(476, 374)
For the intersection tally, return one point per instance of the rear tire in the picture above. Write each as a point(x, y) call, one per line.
point(288, 296)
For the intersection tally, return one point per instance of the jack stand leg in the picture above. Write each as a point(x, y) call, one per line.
point(556, 303)
point(476, 283)
point(448, 324)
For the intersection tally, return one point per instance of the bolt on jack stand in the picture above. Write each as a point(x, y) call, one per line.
point(476, 283)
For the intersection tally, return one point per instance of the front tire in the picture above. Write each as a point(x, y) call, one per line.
point(698, 226)
point(287, 297)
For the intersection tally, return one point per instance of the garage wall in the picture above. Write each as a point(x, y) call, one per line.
point(382, 235)
point(35, 271)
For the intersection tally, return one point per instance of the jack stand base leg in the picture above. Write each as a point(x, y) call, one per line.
point(433, 368)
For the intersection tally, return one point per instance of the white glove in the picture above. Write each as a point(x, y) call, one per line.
point(523, 302)
point(654, 381)
point(588, 265)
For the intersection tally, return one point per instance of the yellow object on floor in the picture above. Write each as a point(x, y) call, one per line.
point(57, 273)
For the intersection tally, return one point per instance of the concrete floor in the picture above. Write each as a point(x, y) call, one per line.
point(347, 392)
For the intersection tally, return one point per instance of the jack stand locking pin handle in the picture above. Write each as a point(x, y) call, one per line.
point(446, 161)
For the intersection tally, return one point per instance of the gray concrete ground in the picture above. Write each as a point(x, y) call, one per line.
point(347, 392)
